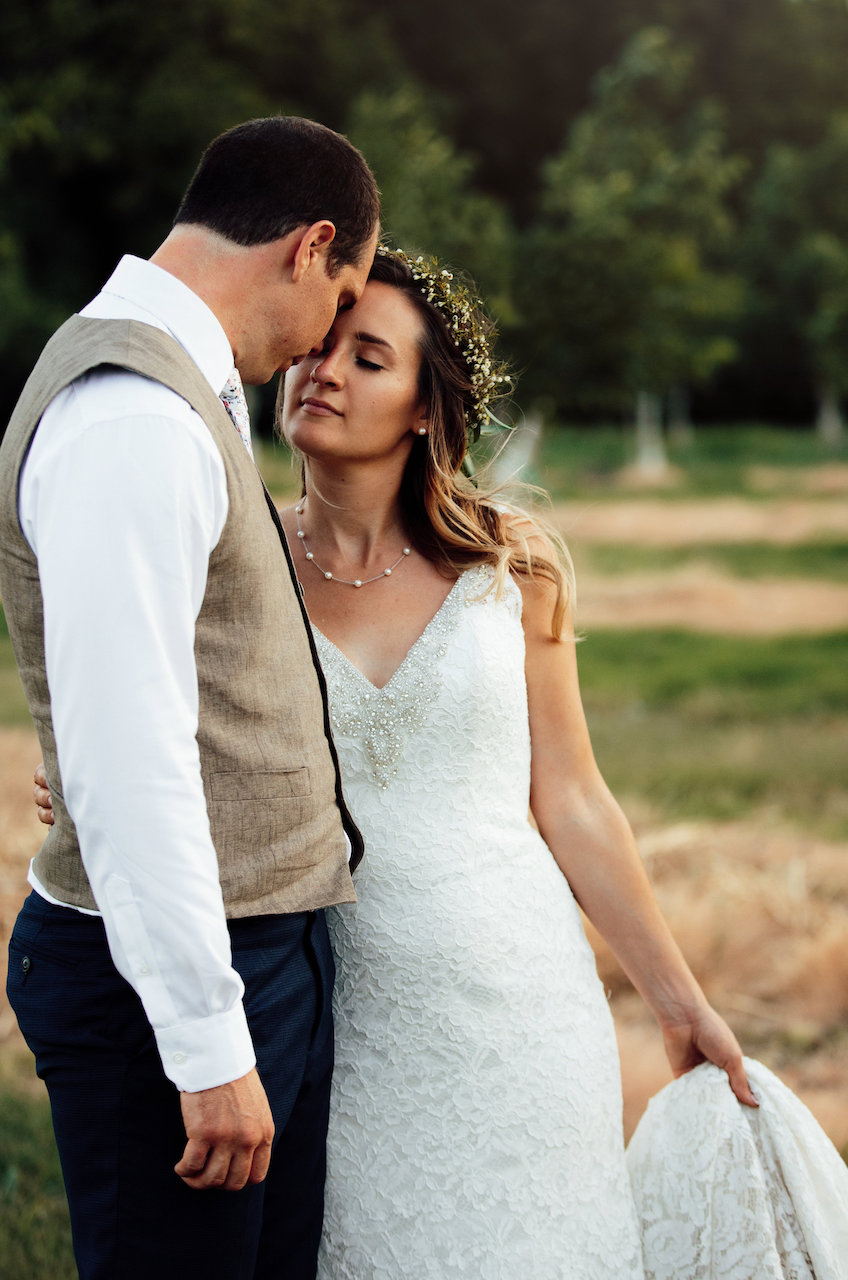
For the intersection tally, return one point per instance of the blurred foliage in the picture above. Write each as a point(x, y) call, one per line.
point(796, 250)
point(427, 187)
point(635, 229)
point(648, 190)
point(787, 769)
point(105, 110)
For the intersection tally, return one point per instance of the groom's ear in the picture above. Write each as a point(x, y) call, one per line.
point(311, 247)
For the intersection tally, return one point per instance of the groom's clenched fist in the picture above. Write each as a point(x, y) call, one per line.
point(229, 1131)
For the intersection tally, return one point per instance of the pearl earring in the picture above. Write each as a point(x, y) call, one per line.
point(422, 431)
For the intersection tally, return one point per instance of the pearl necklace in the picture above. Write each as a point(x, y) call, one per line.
point(331, 577)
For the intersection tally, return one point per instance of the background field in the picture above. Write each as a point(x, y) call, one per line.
point(713, 612)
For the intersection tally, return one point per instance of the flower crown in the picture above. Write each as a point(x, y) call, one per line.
point(466, 325)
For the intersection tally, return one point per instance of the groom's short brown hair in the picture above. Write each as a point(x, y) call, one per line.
point(265, 178)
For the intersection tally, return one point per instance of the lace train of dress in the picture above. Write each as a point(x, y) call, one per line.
point(476, 1115)
point(726, 1193)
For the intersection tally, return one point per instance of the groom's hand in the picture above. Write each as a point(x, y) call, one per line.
point(229, 1131)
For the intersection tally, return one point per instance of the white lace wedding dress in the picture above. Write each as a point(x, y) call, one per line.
point(476, 1115)
point(475, 1129)
point(727, 1193)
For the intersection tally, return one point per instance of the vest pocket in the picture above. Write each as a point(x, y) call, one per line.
point(279, 784)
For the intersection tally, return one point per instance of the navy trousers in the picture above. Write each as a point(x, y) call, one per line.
point(117, 1117)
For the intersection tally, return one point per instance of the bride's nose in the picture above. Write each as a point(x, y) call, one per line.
point(327, 370)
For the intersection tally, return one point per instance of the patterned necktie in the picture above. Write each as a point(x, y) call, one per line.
point(235, 404)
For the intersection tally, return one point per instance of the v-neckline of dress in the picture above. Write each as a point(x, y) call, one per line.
point(382, 688)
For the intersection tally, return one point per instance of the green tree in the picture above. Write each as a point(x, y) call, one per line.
point(513, 77)
point(628, 280)
point(797, 255)
point(430, 203)
point(775, 68)
point(105, 109)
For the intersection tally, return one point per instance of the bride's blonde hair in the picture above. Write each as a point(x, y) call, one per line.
point(453, 522)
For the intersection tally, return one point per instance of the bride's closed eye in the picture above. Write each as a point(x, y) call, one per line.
point(368, 364)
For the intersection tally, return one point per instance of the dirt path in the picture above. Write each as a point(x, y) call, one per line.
point(676, 522)
point(698, 597)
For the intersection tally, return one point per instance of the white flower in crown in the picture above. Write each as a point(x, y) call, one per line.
point(466, 323)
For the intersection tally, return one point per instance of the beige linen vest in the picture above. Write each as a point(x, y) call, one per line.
point(269, 767)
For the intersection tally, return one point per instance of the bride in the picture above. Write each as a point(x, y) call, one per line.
point(476, 1115)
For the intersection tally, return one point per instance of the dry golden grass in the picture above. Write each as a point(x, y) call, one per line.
point(762, 916)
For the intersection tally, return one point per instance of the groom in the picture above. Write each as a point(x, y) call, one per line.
point(170, 969)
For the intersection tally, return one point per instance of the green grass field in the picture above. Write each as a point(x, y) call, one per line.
point(35, 1234)
point(720, 679)
point(704, 726)
point(717, 460)
point(821, 559)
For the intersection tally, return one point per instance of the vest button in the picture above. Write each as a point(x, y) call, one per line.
point(26, 964)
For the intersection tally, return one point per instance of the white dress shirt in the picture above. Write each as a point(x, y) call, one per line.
point(123, 498)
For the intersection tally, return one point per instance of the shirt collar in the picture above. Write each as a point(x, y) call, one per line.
point(177, 309)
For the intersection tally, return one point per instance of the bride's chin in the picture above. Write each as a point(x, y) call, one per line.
point(318, 451)
point(309, 438)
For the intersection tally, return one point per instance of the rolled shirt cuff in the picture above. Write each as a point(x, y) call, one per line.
point(208, 1052)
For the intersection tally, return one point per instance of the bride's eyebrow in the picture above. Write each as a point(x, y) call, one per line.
point(371, 340)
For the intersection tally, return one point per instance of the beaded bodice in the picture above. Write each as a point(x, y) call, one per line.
point(373, 727)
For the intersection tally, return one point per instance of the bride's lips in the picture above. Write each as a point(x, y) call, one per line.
point(318, 406)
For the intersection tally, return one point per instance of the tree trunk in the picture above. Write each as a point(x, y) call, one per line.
point(651, 458)
point(830, 425)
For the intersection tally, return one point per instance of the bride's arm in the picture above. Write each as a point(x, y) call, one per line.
point(594, 846)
